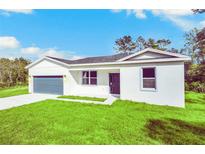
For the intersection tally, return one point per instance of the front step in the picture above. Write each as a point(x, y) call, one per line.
point(110, 100)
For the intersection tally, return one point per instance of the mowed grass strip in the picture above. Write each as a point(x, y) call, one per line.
point(83, 98)
point(13, 91)
point(125, 122)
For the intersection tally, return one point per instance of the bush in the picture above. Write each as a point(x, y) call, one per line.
point(187, 88)
point(195, 73)
point(195, 86)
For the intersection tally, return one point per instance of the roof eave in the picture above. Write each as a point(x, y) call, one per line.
point(135, 62)
point(184, 59)
point(155, 51)
point(39, 60)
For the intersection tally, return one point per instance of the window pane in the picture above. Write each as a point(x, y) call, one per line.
point(93, 74)
point(93, 81)
point(148, 72)
point(85, 80)
point(149, 83)
point(85, 74)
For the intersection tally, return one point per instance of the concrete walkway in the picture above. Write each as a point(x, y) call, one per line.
point(108, 101)
point(14, 101)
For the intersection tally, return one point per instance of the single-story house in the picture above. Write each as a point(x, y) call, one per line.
point(151, 76)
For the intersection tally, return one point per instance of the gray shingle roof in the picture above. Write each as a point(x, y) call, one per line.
point(100, 59)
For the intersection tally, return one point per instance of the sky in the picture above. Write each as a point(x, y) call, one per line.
point(74, 34)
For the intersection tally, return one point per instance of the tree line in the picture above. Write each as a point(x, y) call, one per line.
point(13, 72)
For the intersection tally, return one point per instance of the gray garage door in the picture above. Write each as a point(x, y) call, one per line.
point(48, 84)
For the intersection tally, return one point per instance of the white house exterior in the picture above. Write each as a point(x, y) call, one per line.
point(150, 76)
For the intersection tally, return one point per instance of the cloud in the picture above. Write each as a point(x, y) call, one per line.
point(23, 11)
point(53, 53)
point(31, 50)
point(8, 12)
point(172, 12)
point(184, 24)
point(9, 42)
point(10, 48)
point(177, 17)
point(138, 13)
point(116, 10)
point(38, 52)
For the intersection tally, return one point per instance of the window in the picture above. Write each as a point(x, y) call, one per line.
point(148, 78)
point(89, 77)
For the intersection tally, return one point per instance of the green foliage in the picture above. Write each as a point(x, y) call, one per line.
point(200, 45)
point(191, 45)
point(13, 91)
point(196, 73)
point(196, 86)
point(195, 78)
point(125, 122)
point(84, 98)
point(127, 44)
point(13, 72)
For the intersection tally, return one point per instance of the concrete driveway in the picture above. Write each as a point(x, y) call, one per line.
point(14, 101)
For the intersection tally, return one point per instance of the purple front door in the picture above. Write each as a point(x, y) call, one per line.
point(114, 82)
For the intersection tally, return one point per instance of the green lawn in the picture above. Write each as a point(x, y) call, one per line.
point(13, 91)
point(84, 98)
point(60, 122)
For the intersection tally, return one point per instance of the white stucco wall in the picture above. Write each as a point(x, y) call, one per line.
point(99, 90)
point(169, 84)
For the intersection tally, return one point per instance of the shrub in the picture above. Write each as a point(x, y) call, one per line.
point(187, 88)
point(196, 86)
point(196, 73)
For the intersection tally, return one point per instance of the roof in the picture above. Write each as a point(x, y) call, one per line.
point(176, 55)
point(99, 59)
point(121, 58)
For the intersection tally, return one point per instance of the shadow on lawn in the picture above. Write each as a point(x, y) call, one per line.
point(172, 131)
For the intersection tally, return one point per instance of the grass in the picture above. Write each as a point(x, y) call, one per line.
point(83, 98)
point(13, 91)
point(125, 122)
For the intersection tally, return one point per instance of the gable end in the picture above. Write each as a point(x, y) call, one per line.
point(149, 55)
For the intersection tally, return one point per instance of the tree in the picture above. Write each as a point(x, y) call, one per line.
point(126, 44)
point(200, 39)
point(190, 45)
point(13, 72)
point(198, 10)
point(163, 43)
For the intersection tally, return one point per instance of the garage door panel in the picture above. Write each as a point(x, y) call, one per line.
point(49, 82)
point(50, 85)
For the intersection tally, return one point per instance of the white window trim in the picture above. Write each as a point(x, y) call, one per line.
point(89, 78)
point(141, 80)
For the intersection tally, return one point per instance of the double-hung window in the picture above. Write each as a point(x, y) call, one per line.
point(89, 77)
point(149, 78)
